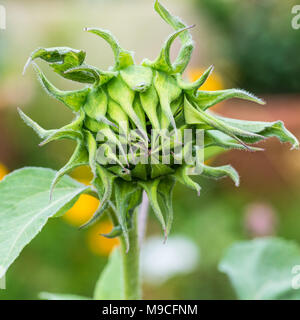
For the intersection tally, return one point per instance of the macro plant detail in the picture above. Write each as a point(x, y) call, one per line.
point(131, 109)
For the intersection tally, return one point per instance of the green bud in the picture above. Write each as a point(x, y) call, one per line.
point(117, 112)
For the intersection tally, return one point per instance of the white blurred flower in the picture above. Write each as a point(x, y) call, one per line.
point(179, 255)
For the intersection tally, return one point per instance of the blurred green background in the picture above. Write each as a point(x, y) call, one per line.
point(251, 44)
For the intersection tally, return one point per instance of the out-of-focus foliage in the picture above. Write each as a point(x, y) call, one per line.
point(263, 269)
point(259, 40)
point(110, 286)
point(18, 229)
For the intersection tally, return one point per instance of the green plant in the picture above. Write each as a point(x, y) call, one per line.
point(116, 111)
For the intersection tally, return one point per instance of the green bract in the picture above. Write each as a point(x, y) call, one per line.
point(143, 97)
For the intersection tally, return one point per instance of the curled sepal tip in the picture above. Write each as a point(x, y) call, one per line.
point(79, 158)
point(221, 172)
point(182, 175)
point(72, 99)
point(190, 88)
point(70, 131)
point(163, 61)
point(123, 58)
point(100, 77)
point(41, 132)
point(104, 183)
point(62, 59)
point(114, 233)
point(187, 47)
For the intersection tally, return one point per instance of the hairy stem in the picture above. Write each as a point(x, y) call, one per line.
point(143, 217)
point(131, 263)
point(131, 259)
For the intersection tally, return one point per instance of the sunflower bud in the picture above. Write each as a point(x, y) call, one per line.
point(142, 112)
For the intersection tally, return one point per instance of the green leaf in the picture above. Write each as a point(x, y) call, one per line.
point(110, 285)
point(25, 208)
point(61, 296)
point(262, 268)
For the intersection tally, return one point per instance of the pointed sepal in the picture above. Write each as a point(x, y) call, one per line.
point(79, 158)
point(168, 91)
point(151, 188)
point(221, 172)
point(62, 59)
point(187, 44)
point(182, 175)
point(194, 86)
point(165, 190)
point(104, 183)
point(163, 61)
point(207, 99)
point(72, 99)
point(123, 58)
point(123, 192)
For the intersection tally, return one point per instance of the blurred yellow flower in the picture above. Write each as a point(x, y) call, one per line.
point(82, 210)
point(86, 205)
point(83, 174)
point(3, 171)
point(98, 244)
point(214, 81)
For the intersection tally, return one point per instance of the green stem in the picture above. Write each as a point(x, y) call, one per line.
point(131, 264)
point(131, 261)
